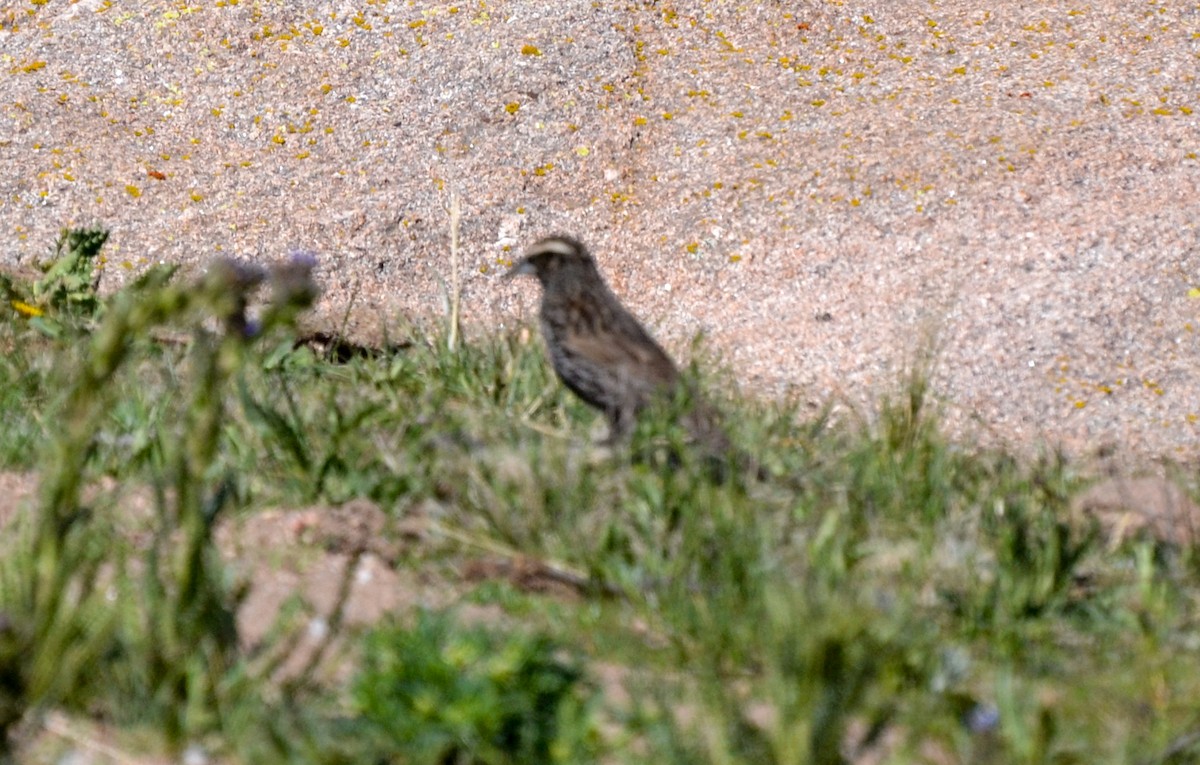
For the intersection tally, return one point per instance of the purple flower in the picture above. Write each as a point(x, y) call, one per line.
point(303, 258)
point(982, 718)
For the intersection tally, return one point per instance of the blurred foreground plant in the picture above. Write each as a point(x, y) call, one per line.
point(65, 297)
point(68, 596)
point(443, 693)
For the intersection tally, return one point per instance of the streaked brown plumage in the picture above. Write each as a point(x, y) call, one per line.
point(598, 348)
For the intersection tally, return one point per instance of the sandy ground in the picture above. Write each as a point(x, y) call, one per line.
point(816, 187)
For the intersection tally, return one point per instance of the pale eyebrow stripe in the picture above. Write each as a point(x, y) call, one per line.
point(556, 246)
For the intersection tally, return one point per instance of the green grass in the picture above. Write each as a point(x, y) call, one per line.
point(878, 586)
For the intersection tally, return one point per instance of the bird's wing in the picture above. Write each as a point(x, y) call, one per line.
point(637, 358)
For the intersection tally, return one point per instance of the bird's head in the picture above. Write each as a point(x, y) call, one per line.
point(554, 258)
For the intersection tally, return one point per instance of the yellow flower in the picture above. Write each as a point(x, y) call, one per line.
point(25, 309)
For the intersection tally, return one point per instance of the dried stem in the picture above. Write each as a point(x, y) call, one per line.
point(455, 280)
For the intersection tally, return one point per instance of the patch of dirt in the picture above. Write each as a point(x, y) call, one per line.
point(1127, 507)
point(354, 565)
point(344, 563)
point(72, 740)
point(17, 492)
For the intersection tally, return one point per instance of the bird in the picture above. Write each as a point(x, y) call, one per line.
point(600, 351)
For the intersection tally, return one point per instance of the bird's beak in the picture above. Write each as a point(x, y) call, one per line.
point(522, 268)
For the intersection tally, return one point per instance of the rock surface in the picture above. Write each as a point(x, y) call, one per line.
point(819, 188)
